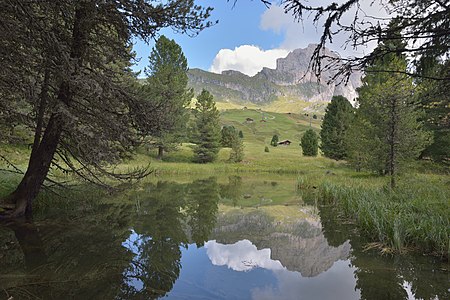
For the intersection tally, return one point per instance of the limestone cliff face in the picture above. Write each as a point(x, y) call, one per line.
point(299, 246)
point(290, 78)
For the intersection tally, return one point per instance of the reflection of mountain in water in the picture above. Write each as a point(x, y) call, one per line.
point(299, 246)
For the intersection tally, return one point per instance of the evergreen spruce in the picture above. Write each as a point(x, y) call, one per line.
point(207, 128)
point(237, 149)
point(388, 116)
point(338, 115)
point(65, 75)
point(434, 99)
point(274, 141)
point(167, 92)
point(228, 132)
point(241, 135)
point(310, 143)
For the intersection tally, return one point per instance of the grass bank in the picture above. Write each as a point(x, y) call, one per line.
point(415, 216)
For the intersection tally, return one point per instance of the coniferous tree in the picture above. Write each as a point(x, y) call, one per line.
point(237, 148)
point(65, 75)
point(338, 115)
point(167, 93)
point(310, 143)
point(274, 141)
point(389, 114)
point(228, 132)
point(434, 99)
point(207, 129)
point(241, 135)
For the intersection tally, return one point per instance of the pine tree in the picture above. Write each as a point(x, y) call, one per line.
point(389, 117)
point(167, 92)
point(241, 135)
point(237, 149)
point(228, 132)
point(338, 115)
point(310, 143)
point(434, 99)
point(65, 75)
point(274, 141)
point(207, 129)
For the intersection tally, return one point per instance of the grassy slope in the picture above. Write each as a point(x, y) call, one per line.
point(257, 135)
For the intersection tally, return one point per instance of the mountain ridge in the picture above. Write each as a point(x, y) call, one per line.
point(291, 78)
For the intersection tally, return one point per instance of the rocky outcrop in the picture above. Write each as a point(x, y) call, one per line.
point(290, 78)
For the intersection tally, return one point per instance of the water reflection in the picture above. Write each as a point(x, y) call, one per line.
point(206, 239)
point(241, 256)
point(387, 277)
point(160, 232)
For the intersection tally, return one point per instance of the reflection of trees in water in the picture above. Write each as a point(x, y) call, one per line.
point(159, 234)
point(233, 190)
point(86, 258)
point(61, 260)
point(155, 243)
point(384, 278)
point(202, 206)
point(30, 243)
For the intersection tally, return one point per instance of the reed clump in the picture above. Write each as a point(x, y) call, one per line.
point(416, 215)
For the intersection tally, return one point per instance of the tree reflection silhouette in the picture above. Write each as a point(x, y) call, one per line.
point(159, 233)
point(202, 206)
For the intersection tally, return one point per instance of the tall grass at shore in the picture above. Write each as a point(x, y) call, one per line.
point(416, 215)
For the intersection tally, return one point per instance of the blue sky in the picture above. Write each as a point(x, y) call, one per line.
point(247, 38)
point(238, 25)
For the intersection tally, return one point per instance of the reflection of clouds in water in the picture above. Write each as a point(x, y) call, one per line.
point(133, 243)
point(241, 256)
point(337, 283)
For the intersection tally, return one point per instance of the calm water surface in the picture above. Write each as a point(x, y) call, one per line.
point(227, 238)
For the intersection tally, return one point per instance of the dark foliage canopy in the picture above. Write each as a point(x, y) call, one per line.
point(338, 116)
point(65, 76)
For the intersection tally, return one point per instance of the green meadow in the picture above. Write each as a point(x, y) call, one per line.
point(414, 217)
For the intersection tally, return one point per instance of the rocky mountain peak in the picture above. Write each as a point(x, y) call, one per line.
point(291, 78)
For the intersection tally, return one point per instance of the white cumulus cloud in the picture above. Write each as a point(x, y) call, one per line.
point(241, 256)
point(247, 59)
point(250, 59)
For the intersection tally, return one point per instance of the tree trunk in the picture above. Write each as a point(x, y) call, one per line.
point(160, 152)
point(43, 151)
point(38, 167)
point(393, 141)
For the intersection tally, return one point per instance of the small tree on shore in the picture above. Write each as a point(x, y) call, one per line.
point(310, 143)
point(390, 114)
point(207, 129)
point(167, 93)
